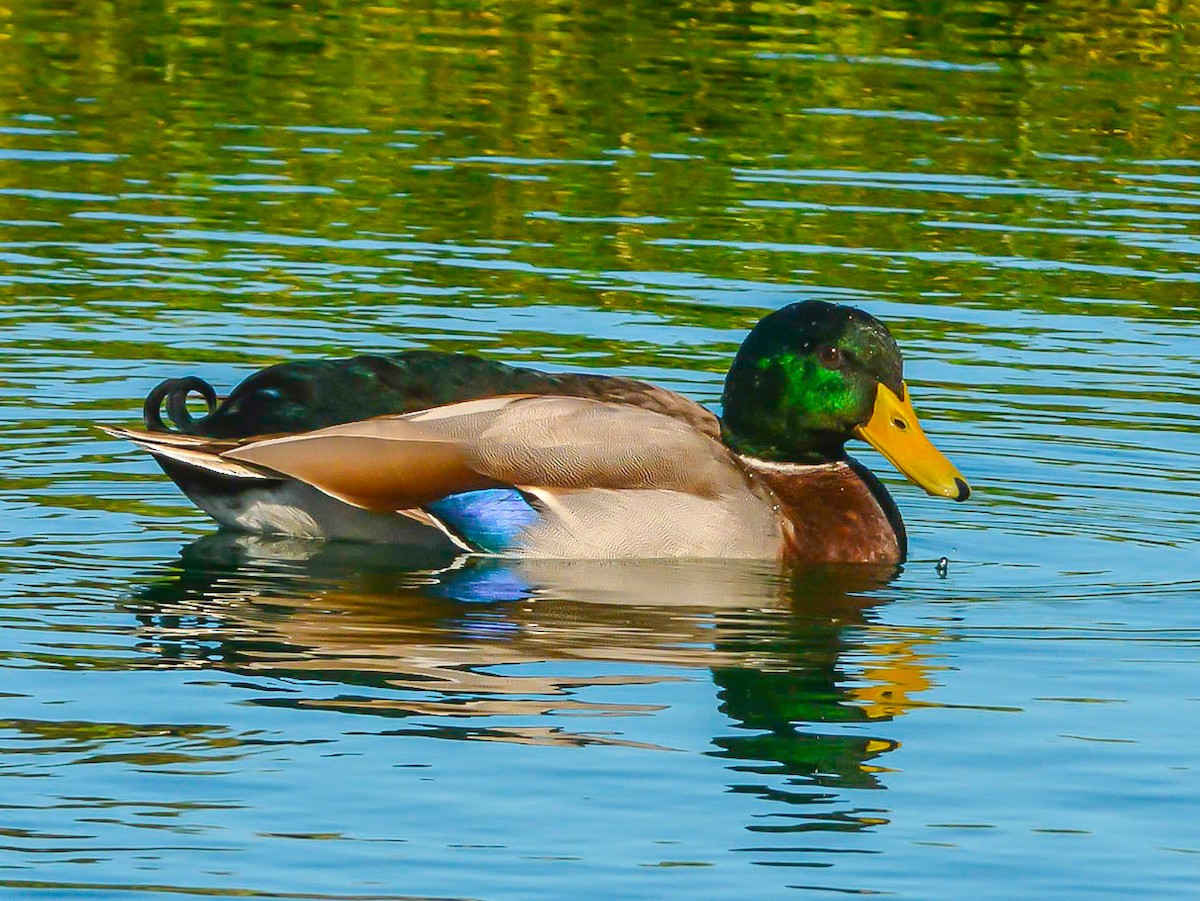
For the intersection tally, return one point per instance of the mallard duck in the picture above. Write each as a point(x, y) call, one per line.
point(450, 450)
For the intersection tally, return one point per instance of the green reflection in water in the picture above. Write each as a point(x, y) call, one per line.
point(427, 122)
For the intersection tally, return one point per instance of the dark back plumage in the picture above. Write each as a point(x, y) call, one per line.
point(313, 394)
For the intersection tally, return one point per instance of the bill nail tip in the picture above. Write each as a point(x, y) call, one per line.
point(964, 490)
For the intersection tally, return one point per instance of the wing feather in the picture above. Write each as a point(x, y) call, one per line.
point(190, 450)
point(394, 462)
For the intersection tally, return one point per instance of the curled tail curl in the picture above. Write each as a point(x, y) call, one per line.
point(175, 392)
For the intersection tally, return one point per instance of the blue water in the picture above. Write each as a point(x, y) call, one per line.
point(217, 187)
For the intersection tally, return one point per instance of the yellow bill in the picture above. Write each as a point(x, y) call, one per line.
point(893, 430)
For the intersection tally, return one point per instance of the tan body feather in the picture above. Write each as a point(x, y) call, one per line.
point(611, 480)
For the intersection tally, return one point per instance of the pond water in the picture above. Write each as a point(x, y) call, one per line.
point(208, 188)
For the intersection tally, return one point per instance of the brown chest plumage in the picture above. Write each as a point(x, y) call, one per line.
point(833, 513)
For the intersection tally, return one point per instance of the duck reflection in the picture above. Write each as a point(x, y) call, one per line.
point(802, 667)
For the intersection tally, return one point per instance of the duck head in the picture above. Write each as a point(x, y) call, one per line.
point(813, 375)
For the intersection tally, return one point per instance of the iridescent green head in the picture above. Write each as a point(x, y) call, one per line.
point(804, 378)
point(813, 375)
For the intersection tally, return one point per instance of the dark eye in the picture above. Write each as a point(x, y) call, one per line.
point(830, 357)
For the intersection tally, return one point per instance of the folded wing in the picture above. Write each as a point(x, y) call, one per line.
point(565, 443)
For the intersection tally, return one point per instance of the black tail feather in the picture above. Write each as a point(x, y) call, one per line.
point(175, 392)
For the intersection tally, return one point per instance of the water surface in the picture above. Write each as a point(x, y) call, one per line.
point(210, 188)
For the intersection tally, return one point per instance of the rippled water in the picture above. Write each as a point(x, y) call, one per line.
point(209, 188)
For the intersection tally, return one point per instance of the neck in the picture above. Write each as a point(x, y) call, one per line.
point(811, 448)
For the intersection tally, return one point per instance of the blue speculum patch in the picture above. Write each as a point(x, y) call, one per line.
point(489, 520)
